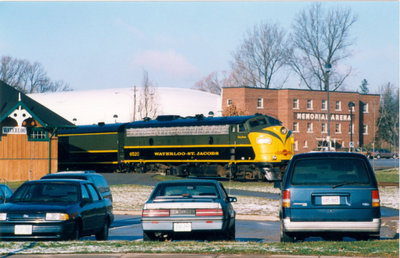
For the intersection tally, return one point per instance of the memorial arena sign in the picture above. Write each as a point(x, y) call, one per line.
point(321, 116)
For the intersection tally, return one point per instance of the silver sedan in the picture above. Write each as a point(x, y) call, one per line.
point(188, 208)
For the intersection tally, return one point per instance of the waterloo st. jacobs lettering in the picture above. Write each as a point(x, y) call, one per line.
point(183, 153)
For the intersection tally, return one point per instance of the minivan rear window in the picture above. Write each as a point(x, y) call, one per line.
point(323, 171)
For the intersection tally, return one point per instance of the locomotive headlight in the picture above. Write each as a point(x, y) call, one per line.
point(283, 130)
point(264, 140)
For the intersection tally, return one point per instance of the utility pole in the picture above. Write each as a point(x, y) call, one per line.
point(134, 103)
point(328, 68)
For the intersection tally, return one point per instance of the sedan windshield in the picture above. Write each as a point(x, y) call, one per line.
point(332, 171)
point(188, 190)
point(46, 192)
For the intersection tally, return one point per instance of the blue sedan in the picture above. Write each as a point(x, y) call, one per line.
point(55, 209)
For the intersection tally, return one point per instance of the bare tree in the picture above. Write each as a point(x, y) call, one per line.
point(262, 53)
point(232, 110)
point(212, 83)
point(27, 77)
point(147, 106)
point(388, 122)
point(321, 39)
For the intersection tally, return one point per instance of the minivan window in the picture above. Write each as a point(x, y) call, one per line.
point(101, 183)
point(333, 171)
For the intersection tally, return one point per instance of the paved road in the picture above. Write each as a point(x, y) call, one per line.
point(128, 228)
point(384, 163)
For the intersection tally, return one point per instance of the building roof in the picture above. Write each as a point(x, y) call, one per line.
point(11, 99)
point(296, 89)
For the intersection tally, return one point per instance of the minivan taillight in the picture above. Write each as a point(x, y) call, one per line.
point(375, 198)
point(155, 213)
point(286, 199)
point(209, 212)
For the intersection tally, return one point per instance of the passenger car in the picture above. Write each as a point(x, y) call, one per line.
point(97, 179)
point(382, 153)
point(5, 193)
point(329, 194)
point(55, 209)
point(186, 207)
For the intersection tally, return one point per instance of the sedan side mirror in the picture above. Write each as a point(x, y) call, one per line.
point(232, 199)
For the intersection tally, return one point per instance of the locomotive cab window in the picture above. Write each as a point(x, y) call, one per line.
point(258, 122)
point(242, 128)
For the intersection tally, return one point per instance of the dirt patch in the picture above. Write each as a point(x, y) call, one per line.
point(388, 184)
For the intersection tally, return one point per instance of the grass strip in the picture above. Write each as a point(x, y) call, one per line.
point(381, 248)
point(387, 175)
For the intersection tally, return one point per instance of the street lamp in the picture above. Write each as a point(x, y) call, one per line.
point(328, 68)
point(351, 106)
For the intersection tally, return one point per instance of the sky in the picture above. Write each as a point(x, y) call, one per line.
point(99, 45)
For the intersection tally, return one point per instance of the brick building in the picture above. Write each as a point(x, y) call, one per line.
point(305, 112)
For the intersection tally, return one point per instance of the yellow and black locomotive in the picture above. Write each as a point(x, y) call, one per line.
point(241, 147)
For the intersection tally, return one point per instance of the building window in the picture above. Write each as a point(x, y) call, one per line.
point(260, 103)
point(324, 128)
point(365, 130)
point(309, 104)
point(295, 127)
point(338, 128)
point(309, 127)
point(229, 102)
point(37, 134)
point(323, 105)
point(295, 104)
point(338, 105)
point(365, 107)
point(305, 144)
point(296, 145)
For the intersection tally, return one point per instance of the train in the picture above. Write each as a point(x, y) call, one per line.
point(254, 147)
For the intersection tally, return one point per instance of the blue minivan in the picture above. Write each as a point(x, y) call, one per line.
point(329, 195)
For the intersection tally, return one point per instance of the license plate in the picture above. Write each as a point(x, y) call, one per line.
point(182, 212)
point(182, 227)
point(23, 230)
point(330, 200)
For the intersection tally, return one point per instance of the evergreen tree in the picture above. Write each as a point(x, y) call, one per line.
point(364, 87)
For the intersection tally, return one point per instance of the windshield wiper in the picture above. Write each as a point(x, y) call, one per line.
point(346, 183)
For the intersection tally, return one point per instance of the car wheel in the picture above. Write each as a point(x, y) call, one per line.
point(373, 237)
point(147, 236)
point(77, 232)
point(103, 234)
point(231, 235)
point(378, 156)
point(394, 156)
point(286, 237)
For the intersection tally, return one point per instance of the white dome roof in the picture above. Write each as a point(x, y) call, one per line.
point(93, 106)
